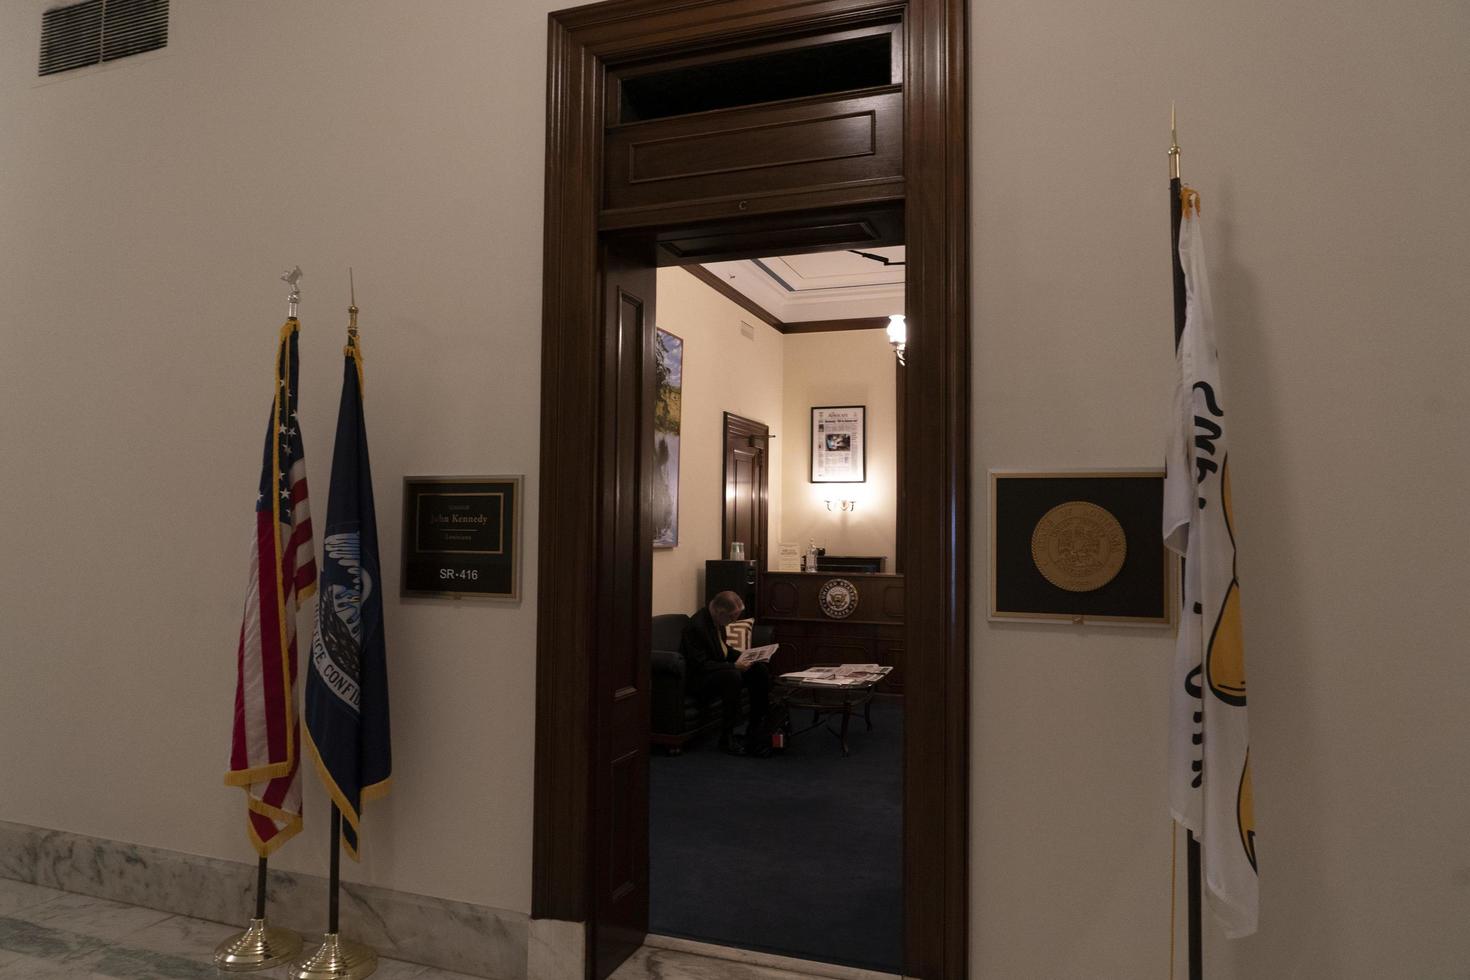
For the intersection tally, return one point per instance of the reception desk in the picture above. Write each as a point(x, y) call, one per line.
point(873, 633)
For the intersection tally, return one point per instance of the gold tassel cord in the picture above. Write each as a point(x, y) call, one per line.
point(353, 350)
point(1188, 198)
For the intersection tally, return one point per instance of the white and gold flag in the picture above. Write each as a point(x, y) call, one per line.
point(1209, 751)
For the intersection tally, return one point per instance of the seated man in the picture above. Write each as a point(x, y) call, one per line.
point(710, 666)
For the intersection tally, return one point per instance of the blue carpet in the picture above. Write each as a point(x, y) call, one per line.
point(799, 854)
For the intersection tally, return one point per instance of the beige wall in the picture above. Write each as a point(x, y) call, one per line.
point(723, 372)
point(1336, 219)
point(853, 367)
point(147, 209)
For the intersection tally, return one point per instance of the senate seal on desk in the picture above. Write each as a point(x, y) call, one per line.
point(1078, 546)
point(838, 598)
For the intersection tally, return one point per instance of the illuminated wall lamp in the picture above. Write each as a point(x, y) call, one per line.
point(843, 505)
point(898, 335)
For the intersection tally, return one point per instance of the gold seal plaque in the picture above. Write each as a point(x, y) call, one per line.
point(1078, 546)
point(838, 598)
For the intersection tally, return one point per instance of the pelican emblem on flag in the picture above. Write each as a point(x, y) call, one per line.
point(337, 646)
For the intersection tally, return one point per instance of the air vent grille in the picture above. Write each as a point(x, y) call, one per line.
point(95, 31)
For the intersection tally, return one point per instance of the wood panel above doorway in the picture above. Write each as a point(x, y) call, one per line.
point(750, 128)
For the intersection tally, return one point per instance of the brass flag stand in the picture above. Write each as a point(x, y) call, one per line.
point(263, 946)
point(336, 958)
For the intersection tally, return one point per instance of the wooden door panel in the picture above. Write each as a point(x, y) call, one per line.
point(625, 566)
point(745, 487)
point(841, 146)
point(623, 877)
point(742, 500)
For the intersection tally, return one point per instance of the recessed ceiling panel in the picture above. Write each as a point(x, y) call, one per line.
point(837, 270)
point(836, 285)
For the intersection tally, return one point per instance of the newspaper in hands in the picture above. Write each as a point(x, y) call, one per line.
point(756, 655)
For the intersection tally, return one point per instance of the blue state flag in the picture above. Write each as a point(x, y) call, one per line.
point(347, 685)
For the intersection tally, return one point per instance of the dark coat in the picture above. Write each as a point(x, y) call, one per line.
point(700, 645)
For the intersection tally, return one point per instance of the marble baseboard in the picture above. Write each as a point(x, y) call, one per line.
point(785, 965)
point(556, 950)
point(458, 936)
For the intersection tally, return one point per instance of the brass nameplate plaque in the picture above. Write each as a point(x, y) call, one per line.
point(461, 536)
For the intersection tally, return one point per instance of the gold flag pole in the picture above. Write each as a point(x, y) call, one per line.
point(338, 958)
point(1192, 853)
point(263, 946)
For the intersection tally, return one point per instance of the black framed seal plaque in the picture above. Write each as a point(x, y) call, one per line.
point(462, 536)
point(1079, 547)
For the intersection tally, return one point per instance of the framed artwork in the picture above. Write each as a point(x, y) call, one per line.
point(839, 444)
point(462, 537)
point(1081, 546)
point(668, 409)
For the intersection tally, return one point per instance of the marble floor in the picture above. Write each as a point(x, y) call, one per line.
point(50, 935)
point(47, 934)
point(672, 964)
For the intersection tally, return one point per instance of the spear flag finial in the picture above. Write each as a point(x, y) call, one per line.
point(352, 308)
point(1173, 145)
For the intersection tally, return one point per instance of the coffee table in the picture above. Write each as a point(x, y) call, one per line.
point(824, 700)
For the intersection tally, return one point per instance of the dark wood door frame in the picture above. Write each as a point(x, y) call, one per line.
point(936, 435)
point(746, 432)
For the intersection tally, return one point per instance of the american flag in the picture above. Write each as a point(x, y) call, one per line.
point(264, 751)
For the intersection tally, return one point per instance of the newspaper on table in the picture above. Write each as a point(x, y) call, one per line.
point(843, 675)
point(756, 655)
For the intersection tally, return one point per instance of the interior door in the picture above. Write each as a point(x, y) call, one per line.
point(745, 487)
point(625, 557)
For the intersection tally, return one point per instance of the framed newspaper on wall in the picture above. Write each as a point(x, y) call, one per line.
point(839, 444)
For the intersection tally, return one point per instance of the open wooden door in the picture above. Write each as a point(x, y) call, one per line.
point(625, 559)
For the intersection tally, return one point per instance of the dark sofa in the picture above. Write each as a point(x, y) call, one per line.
point(679, 716)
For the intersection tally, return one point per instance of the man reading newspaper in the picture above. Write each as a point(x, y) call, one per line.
point(715, 668)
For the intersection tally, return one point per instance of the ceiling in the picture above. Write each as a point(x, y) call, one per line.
point(820, 285)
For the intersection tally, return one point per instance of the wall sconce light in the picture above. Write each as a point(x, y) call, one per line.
point(898, 335)
point(843, 505)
